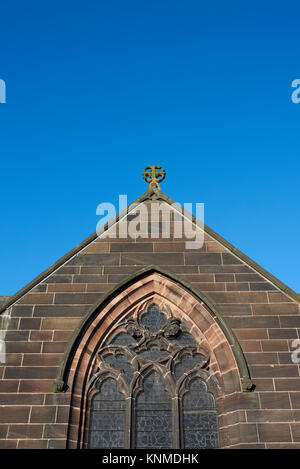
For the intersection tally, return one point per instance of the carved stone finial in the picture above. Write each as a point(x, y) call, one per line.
point(154, 174)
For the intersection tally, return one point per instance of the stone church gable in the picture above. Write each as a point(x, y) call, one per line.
point(245, 319)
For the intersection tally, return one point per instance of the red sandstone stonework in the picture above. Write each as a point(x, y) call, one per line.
point(213, 290)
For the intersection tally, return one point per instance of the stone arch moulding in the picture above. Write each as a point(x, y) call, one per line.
point(227, 366)
point(60, 384)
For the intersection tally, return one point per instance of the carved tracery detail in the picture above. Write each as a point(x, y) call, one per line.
point(148, 355)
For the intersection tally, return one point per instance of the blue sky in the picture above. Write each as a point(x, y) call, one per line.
point(97, 90)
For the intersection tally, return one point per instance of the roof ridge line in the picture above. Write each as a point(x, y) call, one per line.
point(158, 195)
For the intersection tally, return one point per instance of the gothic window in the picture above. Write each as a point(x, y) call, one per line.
point(153, 425)
point(107, 420)
point(199, 417)
point(148, 388)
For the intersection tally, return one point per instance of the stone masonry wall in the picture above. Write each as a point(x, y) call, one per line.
point(265, 321)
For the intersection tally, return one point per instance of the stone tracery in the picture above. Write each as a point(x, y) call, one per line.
point(154, 363)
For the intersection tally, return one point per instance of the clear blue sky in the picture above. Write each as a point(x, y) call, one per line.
point(97, 90)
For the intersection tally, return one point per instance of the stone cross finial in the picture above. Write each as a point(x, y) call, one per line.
point(153, 175)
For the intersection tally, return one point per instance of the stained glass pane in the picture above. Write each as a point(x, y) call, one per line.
point(199, 417)
point(185, 338)
point(153, 319)
point(123, 339)
point(107, 417)
point(200, 440)
point(119, 362)
point(153, 415)
point(154, 354)
point(187, 363)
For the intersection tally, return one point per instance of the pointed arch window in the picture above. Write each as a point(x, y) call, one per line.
point(153, 414)
point(148, 388)
point(107, 419)
point(199, 418)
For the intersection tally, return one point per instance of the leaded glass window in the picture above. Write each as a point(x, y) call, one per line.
point(107, 417)
point(199, 417)
point(153, 415)
point(149, 388)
